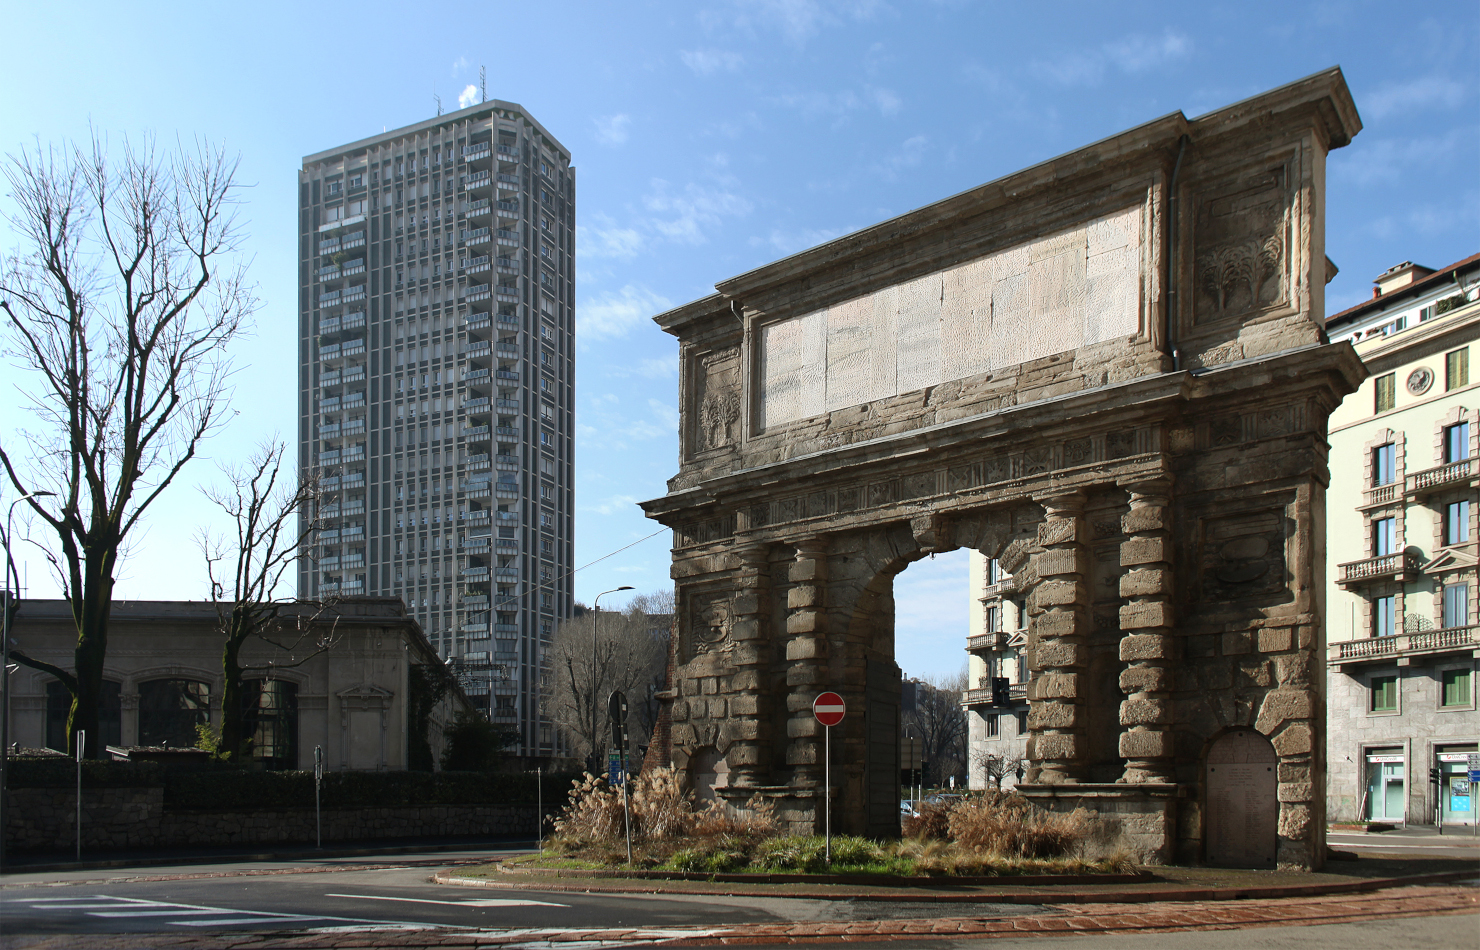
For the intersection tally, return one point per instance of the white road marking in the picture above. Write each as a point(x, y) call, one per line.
point(128, 907)
point(478, 902)
point(240, 920)
point(173, 912)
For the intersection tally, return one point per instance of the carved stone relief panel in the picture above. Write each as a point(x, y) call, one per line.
point(709, 619)
point(1242, 235)
point(1242, 554)
point(716, 415)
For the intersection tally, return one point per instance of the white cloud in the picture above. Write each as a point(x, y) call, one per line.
point(613, 314)
point(469, 97)
point(603, 238)
point(885, 100)
point(459, 64)
point(796, 20)
point(613, 505)
point(842, 103)
point(909, 154)
point(707, 62)
point(1135, 53)
point(612, 130)
point(1426, 92)
point(667, 415)
point(683, 214)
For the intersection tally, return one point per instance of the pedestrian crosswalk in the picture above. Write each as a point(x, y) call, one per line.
point(155, 913)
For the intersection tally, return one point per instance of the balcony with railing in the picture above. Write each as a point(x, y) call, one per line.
point(507, 207)
point(996, 640)
point(356, 266)
point(477, 321)
point(1421, 643)
point(353, 240)
point(477, 462)
point(472, 432)
point(478, 179)
point(353, 294)
point(478, 348)
point(1459, 474)
point(508, 182)
point(507, 322)
point(478, 208)
point(476, 265)
point(1380, 495)
point(982, 696)
point(476, 235)
point(507, 238)
point(330, 272)
point(1387, 567)
point(329, 247)
point(476, 151)
point(512, 404)
point(476, 292)
point(508, 153)
point(507, 352)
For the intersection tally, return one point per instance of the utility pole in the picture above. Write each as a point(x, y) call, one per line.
point(596, 683)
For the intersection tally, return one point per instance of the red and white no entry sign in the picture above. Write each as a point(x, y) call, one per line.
point(829, 709)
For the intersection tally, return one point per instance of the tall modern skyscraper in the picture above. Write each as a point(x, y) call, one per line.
point(436, 387)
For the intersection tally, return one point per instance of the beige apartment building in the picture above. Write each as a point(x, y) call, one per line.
point(996, 647)
point(1402, 626)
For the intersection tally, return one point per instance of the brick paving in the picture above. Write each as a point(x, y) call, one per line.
point(1107, 918)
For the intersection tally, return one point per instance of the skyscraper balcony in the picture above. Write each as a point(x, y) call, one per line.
point(477, 150)
point(475, 265)
point(508, 153)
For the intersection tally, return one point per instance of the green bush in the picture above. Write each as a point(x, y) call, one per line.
point(61, 772)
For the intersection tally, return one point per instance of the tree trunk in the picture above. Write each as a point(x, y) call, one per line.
point(234, 740)
point(91, 613)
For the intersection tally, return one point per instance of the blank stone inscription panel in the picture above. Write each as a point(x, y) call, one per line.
point(1052, 295)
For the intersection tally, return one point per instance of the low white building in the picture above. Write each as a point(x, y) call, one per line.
point(162, 678)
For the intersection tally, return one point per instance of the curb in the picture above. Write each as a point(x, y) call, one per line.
point(1044, 896)
point(851, 880)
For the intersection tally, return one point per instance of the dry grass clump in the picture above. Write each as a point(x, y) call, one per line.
point(1006, 824)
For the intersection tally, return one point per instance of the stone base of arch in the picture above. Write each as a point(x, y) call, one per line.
point(1140, 821)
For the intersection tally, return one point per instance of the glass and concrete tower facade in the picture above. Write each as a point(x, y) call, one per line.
point(436, 347)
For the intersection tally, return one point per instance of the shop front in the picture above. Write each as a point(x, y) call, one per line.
point(1456, 799)
point(1385, 787)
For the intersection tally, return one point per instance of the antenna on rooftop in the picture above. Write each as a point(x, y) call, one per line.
point(439, 103)
point(482, 84)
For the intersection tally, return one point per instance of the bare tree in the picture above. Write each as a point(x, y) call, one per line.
point(246, 573)
point(940, 723)
point(655, 612)
point(119, 299)
point(997, 767)
point(591, 655)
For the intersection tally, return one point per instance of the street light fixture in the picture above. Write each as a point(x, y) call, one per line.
point(595, 702)
point(5, 612)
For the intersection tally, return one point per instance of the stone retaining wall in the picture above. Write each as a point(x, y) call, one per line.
point(43, 819)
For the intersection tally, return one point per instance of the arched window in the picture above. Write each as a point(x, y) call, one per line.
point(170, 710)
point(270, 711)
point(59, 702)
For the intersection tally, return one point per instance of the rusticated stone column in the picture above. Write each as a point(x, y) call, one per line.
point(1059, 628)
point(748, 722)
point(806, 655)
point(1147, 643)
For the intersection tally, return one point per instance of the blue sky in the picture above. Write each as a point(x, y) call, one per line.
point(714, 136)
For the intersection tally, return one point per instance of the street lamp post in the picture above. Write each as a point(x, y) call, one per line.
point(5, 611)
point(595, 701)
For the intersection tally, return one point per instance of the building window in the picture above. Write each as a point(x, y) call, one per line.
point(1457, 442)
point(270, 714)
point(1385, 464)
point(992, 727)
point(1455, 610)
point(1457, 368)
point(1383, 389)
point(1456, 688)
point(1022, 723)
point(994, 621)
point(59, 704)
point(1384, 691)
point(170, 711)
point(1384, 536)
point(1384, 616)
point(1457, 522)
point(1022, 668)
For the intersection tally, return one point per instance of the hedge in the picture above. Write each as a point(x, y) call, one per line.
point(222, 789)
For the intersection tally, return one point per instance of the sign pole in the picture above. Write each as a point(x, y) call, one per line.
point(81, 743)
point(318, 814)
point(829, 710)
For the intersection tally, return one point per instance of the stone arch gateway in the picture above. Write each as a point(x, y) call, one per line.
point(1107, 370)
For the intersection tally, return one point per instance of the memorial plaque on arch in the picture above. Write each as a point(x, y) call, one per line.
point(1243, 804)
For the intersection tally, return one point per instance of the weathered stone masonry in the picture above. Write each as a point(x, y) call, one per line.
point(1107, 371)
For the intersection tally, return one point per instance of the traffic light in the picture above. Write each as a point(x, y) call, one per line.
point(999, 691)
point(1434, 777)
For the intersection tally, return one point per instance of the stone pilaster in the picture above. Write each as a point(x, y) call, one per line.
point(748, 720)
point(1060, 624)
point(1147, 643)
point(806, 657)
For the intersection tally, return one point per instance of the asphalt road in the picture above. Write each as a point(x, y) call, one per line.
point(1423, 845)
point(398, 898)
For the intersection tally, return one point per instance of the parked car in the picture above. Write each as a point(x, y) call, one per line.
point(907, 808)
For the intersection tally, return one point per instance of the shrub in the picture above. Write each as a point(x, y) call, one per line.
point(932, 820)
point(1004, 823)
point(593, 816)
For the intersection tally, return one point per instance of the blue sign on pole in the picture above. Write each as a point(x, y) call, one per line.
point(614, 776)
